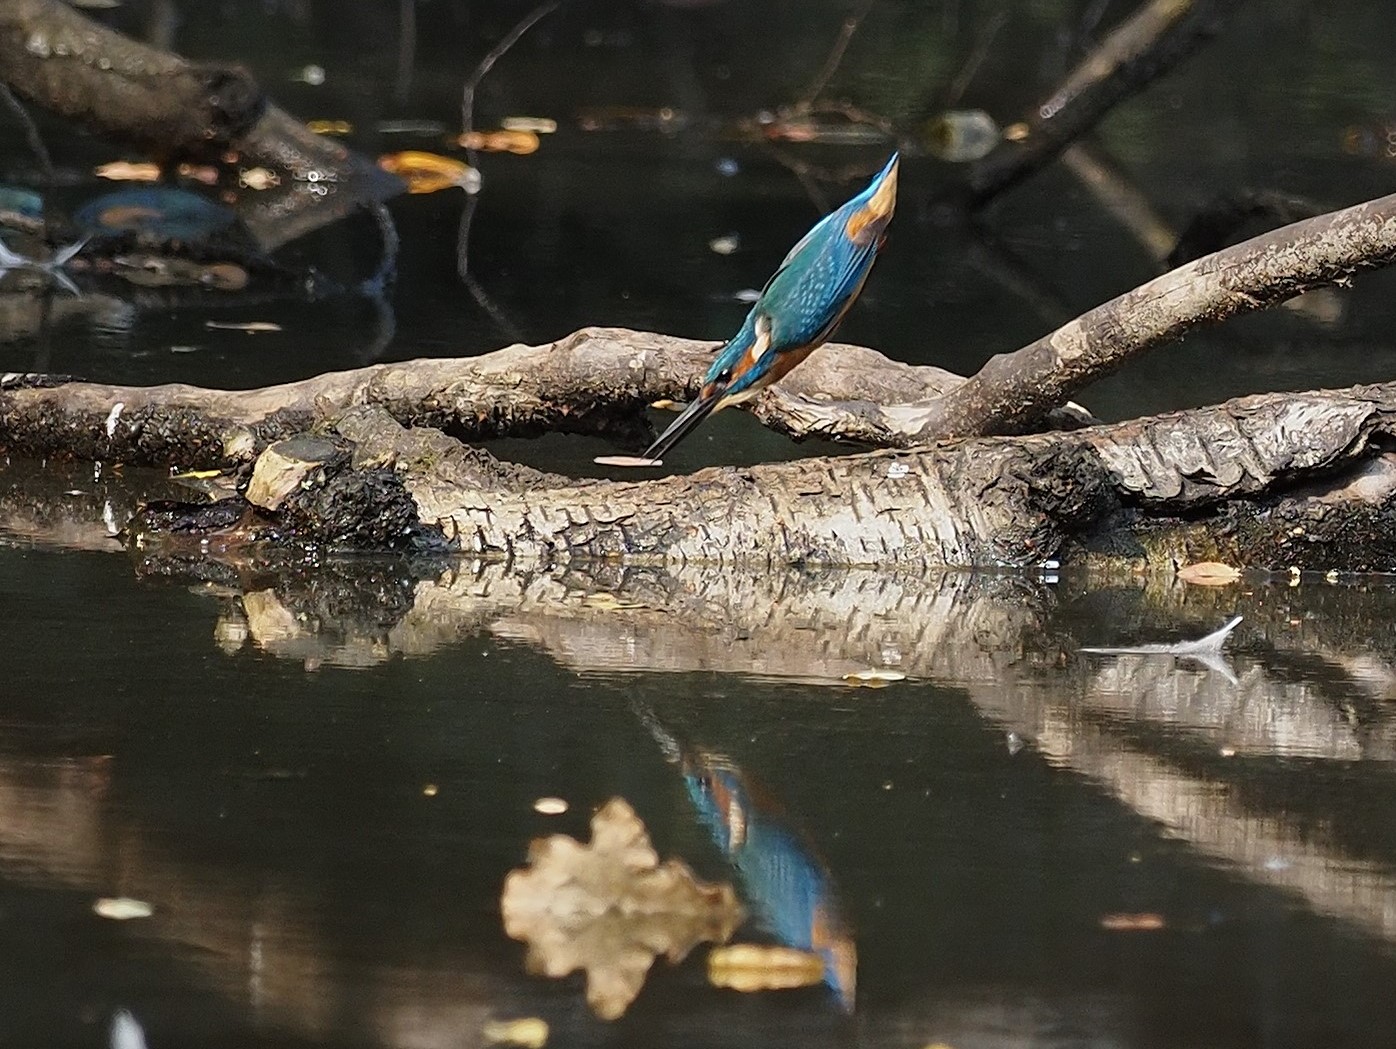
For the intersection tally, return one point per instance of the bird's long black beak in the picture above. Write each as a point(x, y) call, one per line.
point(687, 422)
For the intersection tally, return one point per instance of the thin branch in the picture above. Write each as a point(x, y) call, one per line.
point(32, 138)
point(467, 100)
point(467, 117)
point(836, 53)
point(985, 40)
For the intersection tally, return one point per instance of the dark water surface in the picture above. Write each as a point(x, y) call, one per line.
point(319, 774)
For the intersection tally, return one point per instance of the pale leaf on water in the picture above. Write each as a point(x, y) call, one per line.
point(1209, 573)
point(626, 460)
point(1144, 922)
point(875, 678)
point(121, 908)
point(530, 1032)
point(251, 327)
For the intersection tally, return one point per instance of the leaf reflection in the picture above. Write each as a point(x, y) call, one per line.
point(610, 908)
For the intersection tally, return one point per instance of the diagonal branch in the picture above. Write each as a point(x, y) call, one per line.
point(1013, 389)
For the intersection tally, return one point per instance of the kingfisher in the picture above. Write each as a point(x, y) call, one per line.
point(799, 308)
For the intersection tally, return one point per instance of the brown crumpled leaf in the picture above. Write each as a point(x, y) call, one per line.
point(610, 908)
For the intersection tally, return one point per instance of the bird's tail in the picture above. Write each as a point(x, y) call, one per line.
point(688, 420)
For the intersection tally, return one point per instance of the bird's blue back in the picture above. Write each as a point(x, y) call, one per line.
point(809, 294)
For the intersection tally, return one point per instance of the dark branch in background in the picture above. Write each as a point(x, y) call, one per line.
point(984, 41)
point(467, 121)
point(406, 49)
point(835, 58)
point(116, 86)
point(32, 138)
point(1145, 46)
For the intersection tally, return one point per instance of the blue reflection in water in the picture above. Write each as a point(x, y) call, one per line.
point(784, 880)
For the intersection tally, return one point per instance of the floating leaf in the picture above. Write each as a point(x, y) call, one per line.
point(126, 171)
point(121, 908)
point(1146, 922)
point(519, 142)
point(608, 602)
point(1209, 573)
point(876, 678)
point(330, 127)
point(530, 1032)
point(410, 127)
point(536, 125)
point(550, 806)
point(754, 967)
point(626, 460)
point(258, 178)
point(724, 245)
point(251, 327)
point(427, 172)
point(610, 908)
point(205, 173)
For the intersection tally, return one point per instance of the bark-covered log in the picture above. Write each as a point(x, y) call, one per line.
point(1012, 389)
point(597, 381)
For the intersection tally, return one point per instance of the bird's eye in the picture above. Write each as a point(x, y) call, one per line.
point(725, 375)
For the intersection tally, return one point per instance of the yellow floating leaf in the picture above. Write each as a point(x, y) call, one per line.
point(429, 172)
point(874, 678)
point(530, 1032)
point(519, 142)
point(1209, 573)
point(537, 125)
point(664, 404)
point(753, 967)
point(125, 171)
point(550, 806)
point(330, 127)
point(121, 908)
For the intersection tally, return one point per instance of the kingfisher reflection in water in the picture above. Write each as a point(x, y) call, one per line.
point(785, 882)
